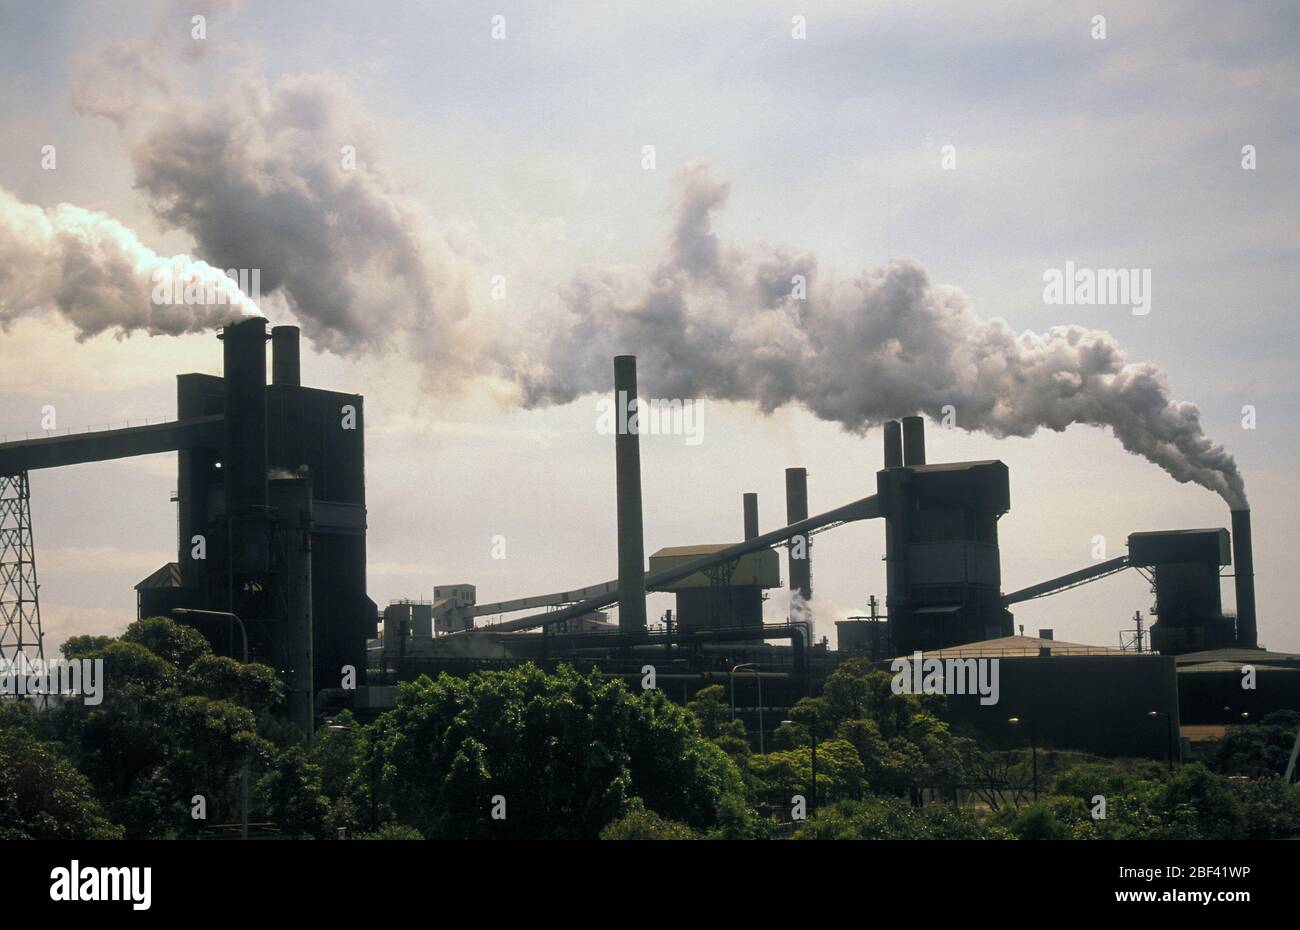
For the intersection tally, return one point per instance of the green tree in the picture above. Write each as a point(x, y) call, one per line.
point(641, 824)
point(292, 796)
point(896, 819)
point(1259, 750)
point(175, 722)
point(567, 754)
point(42, 796)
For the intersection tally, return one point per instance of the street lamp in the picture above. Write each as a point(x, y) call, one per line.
point(1033, 745)
point(759, 678)
point(812, 732)
point(1169, 733)
point(182, 613)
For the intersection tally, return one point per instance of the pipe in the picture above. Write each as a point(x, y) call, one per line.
point(913, 441)
point(627, 469)
point(1244, 576)
point(893, 444)
point(285, 362)
point(751, 515)
point(1109, 567)
point(800, 549)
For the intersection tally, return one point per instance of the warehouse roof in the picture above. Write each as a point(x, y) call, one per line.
point(1012, 646)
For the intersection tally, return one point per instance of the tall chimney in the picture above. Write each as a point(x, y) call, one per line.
point(751, 515)
point(796, 509)
point(244, 463)
point(1244, 575)
point(893, 444)
point(285, 366)
point(913, 441)
point(627, 467)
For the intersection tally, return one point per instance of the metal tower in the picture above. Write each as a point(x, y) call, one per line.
point(20, 609)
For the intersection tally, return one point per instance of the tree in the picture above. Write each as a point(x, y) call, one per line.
point(896, 819)
point(641, 824)
point(291, 793)
point(520, 753)
point(42, 796)
point(1259, 750)
point(174, 723)
point(901, 743)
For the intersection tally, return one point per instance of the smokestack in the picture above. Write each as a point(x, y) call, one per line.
point(1244, 575)
point(627, 467)
point(285, 367)
point(244, 462)
point(913, 441)
point(751, 515)
point(800, 550)
point(893, 444)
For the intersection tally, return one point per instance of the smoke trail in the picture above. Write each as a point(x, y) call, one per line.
point(723, 321)
point(281, 177)
point(99, 275)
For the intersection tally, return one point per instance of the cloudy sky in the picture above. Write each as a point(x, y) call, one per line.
point(469, 225)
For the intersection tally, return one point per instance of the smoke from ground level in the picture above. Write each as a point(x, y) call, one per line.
point(755, 323)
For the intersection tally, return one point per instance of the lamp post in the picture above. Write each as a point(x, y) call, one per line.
point(1033, 747)
point(1169, 734)
point(812, 732)
point(759, 679)
point(184, 613)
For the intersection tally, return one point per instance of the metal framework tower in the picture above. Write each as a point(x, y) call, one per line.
point(20, 609)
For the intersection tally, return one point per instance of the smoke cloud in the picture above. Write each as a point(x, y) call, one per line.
point(722, 321)
point(99, 275)
point(279, 177)
point(282, 177)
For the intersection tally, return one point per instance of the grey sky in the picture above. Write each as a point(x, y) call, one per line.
point(524, 159)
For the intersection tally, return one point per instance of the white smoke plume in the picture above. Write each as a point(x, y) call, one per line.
point(283, 178)
point(99, 275)
point(722, 321)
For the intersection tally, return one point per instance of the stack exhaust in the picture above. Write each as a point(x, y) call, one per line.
point(751, 516)
point(285, 364)
point(244, 355)
point(893, 444)
point(1244, 576)
point(627, 467)
point(913, 441)
point(800, 548)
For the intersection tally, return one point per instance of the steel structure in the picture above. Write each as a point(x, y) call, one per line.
point(20, 607)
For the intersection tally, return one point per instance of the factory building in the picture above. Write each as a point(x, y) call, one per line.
point(272, 528)
point(1071, 696)
point(726, 595)
point(1183, 566)
point(943, 565)
point(272, 520)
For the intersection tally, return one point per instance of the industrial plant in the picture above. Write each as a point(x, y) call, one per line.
point(271, 567)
